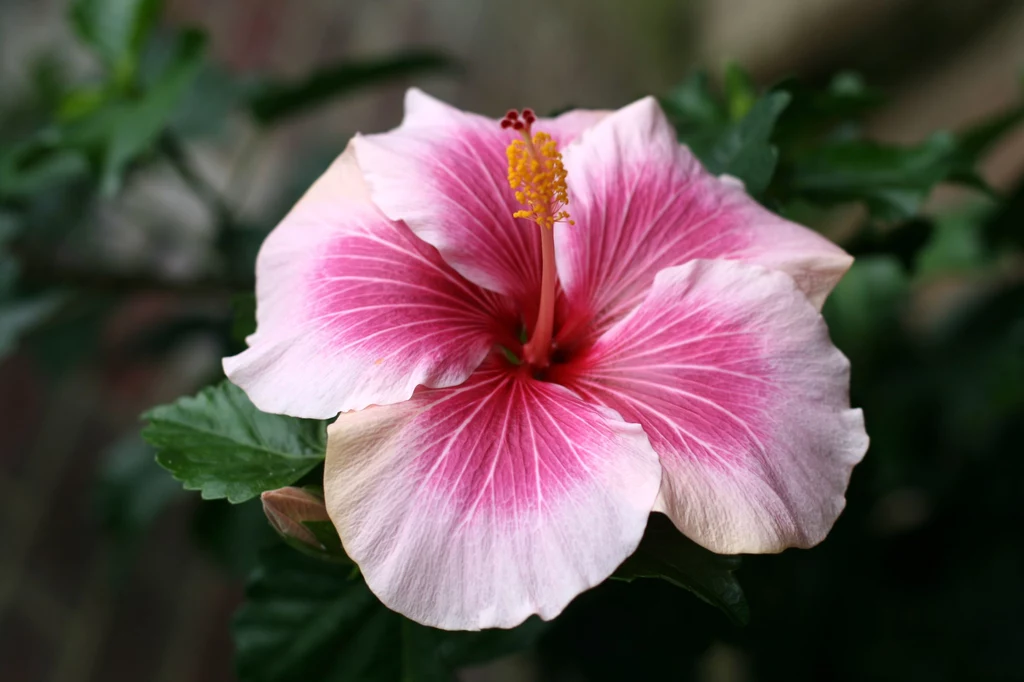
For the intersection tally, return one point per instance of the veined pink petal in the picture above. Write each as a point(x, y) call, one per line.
point(477, 506)
point(444, 172)
point(354, 310)
point(642, 202)
point(731, 372)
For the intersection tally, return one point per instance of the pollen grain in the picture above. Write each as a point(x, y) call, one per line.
point(536, 173)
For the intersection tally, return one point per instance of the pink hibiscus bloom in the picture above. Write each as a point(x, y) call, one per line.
point(676, 359)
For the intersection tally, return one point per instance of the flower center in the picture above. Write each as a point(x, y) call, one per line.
point(536, 174)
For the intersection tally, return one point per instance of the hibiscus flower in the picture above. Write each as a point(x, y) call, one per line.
point(537, 331)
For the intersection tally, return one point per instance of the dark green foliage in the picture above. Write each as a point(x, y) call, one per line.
point(233, 535)
point(29, 168)
point(104, 127)
point(905, 240)
point(115, 130)
point(892, 181)
point(274, 102)
point(817, 111)
point(733, 137)
point(115, 29)
point(744, 149)
point(666, 553)
point(866, 308)
point(795, 143)
point(217, 442)
point(834, 164)
point(244, 318)
point(305, 619)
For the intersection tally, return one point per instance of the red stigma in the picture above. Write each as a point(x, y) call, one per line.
point(512, 119)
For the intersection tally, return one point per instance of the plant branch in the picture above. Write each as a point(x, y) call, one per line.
point(36, 272)
point(178, 157)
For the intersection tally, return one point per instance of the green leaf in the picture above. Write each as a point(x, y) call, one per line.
point(310, 620)
point(219, 443)
point(116, 29)
point(744, 150)
point(734, 138)
point(121, 129)
point(34, 166)
point(893, 181)
point(740, 93)
point(814, 111)
point(304, 619)
point(864, 310)
point(274, 102)
point(141, 123)
point(693, 107)
point(667, 554)
point(957, 244)
point(81, 101)
point(207, 107)
point(906, 240)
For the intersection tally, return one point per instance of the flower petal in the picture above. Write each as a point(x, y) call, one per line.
point(477, 506)
point(731, 372)
point(354, 310)
point(642, 203)
point(444, 172)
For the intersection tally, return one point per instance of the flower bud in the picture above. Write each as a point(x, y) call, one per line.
point(288, 508)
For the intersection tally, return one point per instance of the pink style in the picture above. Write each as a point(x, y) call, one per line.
point(536, 340)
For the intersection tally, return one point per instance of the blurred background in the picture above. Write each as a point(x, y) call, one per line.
point(134, 192)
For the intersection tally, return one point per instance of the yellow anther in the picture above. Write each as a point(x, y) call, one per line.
point(536, 174)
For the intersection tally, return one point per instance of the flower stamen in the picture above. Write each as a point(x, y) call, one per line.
point(536, 173)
